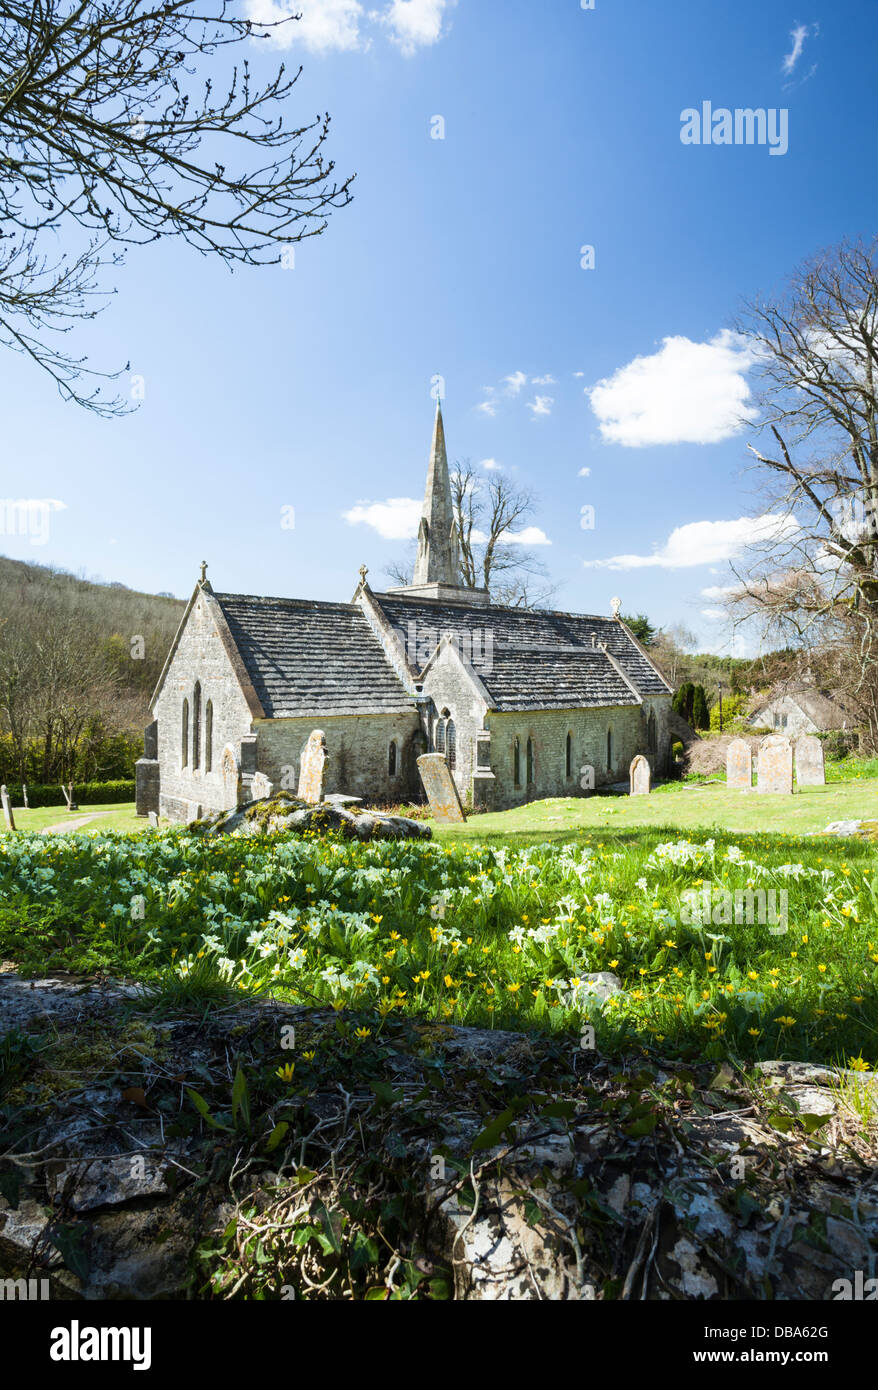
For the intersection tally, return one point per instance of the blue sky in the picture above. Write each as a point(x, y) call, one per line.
point(460, 257)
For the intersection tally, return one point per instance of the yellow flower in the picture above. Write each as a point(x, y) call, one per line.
point(785, 1021)
point(857, 1064)
point(513, 989)
point(364, 1032)
point(286, 1071)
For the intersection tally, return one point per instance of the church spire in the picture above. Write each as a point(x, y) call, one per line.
point(438, 559)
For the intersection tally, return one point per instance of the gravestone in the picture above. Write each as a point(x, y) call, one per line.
point(7, 809)
point(810, 770)
point(231, 775)
point(153, 819)
point(640, 776)
point(739, 764)
point(260, 786)
point(441, 790)
point(774, 765)
point(312, 768)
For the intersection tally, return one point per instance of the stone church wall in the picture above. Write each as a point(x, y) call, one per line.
point(199, 656)
point(359, 753)
point(548, 729)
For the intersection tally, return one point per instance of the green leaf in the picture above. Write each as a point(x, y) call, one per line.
point(68, 1240)
point(490, 1135)
point(240, 1099)
point(203, 1109)
point(276, 1136)
point(644, 1125)
point(559, 1110)
point(812, 1122)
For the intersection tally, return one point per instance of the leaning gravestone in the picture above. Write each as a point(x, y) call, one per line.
point(739, 764)
point(640, 776)
point(441, 790)
point(7, 809)
point(312, 768)
point(230, 770)
point(774, 765)
point(810, 770)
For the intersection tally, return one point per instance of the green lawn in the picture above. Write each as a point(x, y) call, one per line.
point(675, 805)
point(120, 817)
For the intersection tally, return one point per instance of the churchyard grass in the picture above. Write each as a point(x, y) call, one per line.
point(477, 933)
point(118, 816)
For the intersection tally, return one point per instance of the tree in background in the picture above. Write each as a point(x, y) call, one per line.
point(641, 627)
point(117, 129)
point(700, 715)
point(814, 581)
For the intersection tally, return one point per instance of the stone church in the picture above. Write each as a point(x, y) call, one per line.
point(522, 703)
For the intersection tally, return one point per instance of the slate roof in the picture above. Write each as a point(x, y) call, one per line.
point(312, 658)
point(534, 678)
point(534, 650)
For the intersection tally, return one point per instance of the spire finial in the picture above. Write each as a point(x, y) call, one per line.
point(615, 606)
point(203, 579)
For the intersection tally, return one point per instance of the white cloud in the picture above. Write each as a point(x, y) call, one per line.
point(716, 591)
point(329, 26)
point(541, 405)
point(487, 408)
point(397, 519)
point(714, 615)
point(325, 25)
point(515, 382)
point(584, 473)
point(798, 36)
point(706, 543)
point(415, 24)
point(686, 393)
point(579, 373)
point(542, 380)
point(531, 535)
point(491, 466)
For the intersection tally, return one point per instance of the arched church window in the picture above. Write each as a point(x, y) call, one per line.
point(530, 762)
point(196, 726)
point(650, 732)
point(439, 735)
point(568, 761)
point(451, 743)
point(208, 736)
point(516, 763)
point(391, 759)
point(184, 751)
point(609, 750)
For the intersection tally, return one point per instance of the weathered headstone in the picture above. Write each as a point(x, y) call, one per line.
point(153, 819)
point(231, 775)
point(260, 786)
point(810, 769)
point(440, 787)
point(7, 809)
point(739, 764)
point(640, 776)
point(774, 765)
point(312, 768)
point(24, 796)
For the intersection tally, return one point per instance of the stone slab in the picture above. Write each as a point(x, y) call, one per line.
point(774, 765)
point(739, 764)
point(441, 789)
point(312, 768)
point(640, 776)
point(810, 767)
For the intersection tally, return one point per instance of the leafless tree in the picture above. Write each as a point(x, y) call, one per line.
point(815, 582)
point(488, 511)
point(112, 134)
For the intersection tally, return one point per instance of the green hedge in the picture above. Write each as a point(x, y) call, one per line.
point(85, 793)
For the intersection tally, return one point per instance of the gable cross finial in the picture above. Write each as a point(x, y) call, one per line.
point(363, 573)
point(203, 572)
point(615, 606)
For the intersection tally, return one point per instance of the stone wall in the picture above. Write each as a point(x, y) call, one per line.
point(200, 655)
point(549, 729)
point(359, 753)
point(449, 686)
